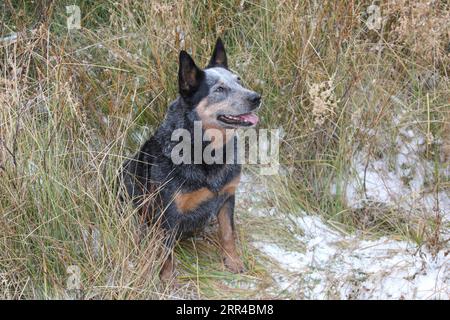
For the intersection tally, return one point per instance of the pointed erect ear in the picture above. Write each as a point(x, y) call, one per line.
point(189, 75)
point(219, 56)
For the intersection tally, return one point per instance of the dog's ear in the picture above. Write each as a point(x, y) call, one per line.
point(219, 56)
point(189, 75)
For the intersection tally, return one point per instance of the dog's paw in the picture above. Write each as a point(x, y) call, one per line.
point(169, 280)
point(235, 265)
point(167, 275)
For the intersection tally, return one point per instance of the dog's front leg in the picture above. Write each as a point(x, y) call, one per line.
point(168, 267)
point(227, 237)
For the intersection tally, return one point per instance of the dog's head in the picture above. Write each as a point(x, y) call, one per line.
point(216, 94)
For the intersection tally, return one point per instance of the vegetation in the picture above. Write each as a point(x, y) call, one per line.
point(74, 103)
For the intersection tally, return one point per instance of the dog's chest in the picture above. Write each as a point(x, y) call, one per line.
point(192, 200)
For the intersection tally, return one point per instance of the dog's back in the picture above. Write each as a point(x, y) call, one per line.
point(136, 172)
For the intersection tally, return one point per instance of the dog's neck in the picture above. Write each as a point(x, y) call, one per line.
point(182, 117)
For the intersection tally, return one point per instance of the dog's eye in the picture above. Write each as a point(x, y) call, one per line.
point(220, 89)
point(238, 79)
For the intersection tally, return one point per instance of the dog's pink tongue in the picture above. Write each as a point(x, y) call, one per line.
point(250, 117)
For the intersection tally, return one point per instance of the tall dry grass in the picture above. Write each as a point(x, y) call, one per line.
point(76, 103)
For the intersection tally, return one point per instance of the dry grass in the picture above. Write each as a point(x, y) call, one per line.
point(75, 103)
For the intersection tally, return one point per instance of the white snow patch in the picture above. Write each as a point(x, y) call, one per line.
point(334, 265)
point(348, 267)
point(397, 179)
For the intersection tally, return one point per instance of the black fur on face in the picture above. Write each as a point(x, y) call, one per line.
point(190, 77)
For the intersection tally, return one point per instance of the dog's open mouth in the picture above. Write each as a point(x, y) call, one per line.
point(242, 120)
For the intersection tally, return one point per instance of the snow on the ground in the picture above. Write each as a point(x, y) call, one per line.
point(334, 265)
point(399, 175)
point(351, 267)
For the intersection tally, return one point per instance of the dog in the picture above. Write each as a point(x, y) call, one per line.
point(184, 197)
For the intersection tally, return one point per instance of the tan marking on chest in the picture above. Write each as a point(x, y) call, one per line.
point(189, 201)
point(230, 187)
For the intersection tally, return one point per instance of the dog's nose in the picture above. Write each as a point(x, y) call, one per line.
point(255, 99)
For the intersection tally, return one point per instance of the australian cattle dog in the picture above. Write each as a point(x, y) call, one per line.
point(183, 197)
